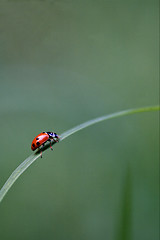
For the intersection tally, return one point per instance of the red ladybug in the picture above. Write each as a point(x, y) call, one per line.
point(42, 138)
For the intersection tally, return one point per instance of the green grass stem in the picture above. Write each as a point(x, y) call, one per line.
point(28, 161)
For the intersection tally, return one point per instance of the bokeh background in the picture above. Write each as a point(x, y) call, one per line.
point(62, 63)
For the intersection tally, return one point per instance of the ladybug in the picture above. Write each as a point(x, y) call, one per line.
point(42, 138)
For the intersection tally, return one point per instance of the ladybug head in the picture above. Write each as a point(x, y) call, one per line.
point(53, 135)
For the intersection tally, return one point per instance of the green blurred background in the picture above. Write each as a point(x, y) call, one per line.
point(61, 63)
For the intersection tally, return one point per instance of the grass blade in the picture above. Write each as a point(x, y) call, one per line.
point(125, 221)
point(28, 161)
point(107, 117)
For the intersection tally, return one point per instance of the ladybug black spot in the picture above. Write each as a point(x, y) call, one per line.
point(38, 143)
point(37, 138)
point(33, 144)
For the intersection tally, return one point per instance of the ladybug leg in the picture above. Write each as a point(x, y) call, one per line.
point(50, 144)
point(40, 152)
point(56, 140)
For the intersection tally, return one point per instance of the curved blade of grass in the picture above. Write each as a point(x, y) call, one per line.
point(28, 161)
